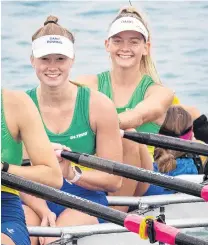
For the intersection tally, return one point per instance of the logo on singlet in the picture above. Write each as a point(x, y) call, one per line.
point(128, 109)
point(77, 136)
point(11, 231)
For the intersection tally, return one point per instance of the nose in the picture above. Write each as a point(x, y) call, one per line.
point(52, 65)
point(125, 46)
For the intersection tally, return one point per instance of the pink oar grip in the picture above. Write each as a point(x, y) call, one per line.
point(58, 153)
point(163, 232)
point(204, 193)
point(132, 222)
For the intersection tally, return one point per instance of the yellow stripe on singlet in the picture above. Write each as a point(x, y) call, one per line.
point(9, 190)
point(176, 100)
point(81, 167)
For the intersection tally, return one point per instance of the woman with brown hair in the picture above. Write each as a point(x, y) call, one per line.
point(178, 123)
point(77, 117)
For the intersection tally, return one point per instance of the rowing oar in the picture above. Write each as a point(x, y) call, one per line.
point(147, 228)
point(135, 173)
point(166, 142)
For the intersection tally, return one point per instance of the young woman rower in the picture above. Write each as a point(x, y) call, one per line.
point(20, 122)
point(73, 115)
point(134, 86)
point(178, 123)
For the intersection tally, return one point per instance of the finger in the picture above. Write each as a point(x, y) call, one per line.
point(52, 220)
point(41, 240)
point(44, 222)
point(66, 148)
point(58, 153)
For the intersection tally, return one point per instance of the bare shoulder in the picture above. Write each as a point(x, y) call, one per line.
point(13, 99)
point(101, 100)
point(160, 90)
point(101, 107)
point(88, 80)
point(20, 105)
point(17, 106)
point(17, 99)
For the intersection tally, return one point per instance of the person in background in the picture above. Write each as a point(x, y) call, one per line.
point(134, 86)
point(178, 123)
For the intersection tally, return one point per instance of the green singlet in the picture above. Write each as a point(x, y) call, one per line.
point(105, 87)
point(11, 150)
point(79, 137)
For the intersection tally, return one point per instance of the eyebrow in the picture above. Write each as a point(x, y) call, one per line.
point(116, 36)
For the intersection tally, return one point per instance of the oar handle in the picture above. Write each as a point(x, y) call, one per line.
point(166, 142)
point(204, 193)
point(163, 233)
point(135, 173)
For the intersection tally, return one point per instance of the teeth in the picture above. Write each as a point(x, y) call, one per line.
point(52, 75)
point(125, 56)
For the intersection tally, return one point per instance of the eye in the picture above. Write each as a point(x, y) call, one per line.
point(61, 58)
point(135, 41)
point(44, 58)
point(116, 41)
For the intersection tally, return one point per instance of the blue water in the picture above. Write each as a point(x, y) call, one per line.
point(179, 32)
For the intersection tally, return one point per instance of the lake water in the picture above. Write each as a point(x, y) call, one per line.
point(179, 31)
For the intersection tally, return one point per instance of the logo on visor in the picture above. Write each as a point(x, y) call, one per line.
point(54, 40)
point(127, 21)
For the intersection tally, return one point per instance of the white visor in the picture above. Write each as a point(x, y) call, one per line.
point(128, 24)
point(52, 44)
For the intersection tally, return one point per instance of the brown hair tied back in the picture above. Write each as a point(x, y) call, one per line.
point(177, 120)
point(51, 27)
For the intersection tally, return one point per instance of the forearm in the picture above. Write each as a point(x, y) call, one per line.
point(156, 102)
point(38, 205)
point(99, 181)
point(39, 173)
point(140, 115)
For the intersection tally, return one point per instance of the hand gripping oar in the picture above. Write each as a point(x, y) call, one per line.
point(135, 173)
point(166, 142)
point(162, 232)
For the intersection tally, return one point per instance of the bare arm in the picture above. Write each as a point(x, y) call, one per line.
point(152, 109)
point(37, 204)
point(108, 144)
point(89, 81)
point(45, 167)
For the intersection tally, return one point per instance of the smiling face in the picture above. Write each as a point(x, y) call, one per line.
point(127, 48)
point(53, 69)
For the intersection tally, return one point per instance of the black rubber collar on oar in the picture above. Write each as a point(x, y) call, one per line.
point(167, 142)
point(83, 205)
point(138, 174)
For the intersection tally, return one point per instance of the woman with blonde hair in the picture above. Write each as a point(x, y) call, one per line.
point(77, 117)
point(134, 86)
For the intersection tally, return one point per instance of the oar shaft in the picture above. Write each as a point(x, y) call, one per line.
point(167, 142)
point(78, 203)
point(182, 239)
point(63, 198)
point(134, 173)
